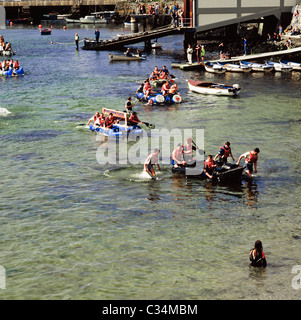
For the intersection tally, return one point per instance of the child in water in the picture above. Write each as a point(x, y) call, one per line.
point(257, 256)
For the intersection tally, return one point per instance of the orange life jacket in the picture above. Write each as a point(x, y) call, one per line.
point(209, 164)
point(227, 151)
point(252, 157)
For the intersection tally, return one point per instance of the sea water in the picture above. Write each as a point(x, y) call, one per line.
point(74, 229)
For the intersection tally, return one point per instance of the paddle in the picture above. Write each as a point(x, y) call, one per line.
point(149, 125)
point(200, 151)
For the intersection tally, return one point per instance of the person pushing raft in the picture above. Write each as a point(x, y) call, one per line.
point(151, 161)
point(224, 153)
point(251, 158)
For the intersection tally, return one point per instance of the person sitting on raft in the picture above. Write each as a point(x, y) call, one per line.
point(16, 65)
point(188, 149)
point(224, 152)
point(176, 157)
point(155, 75)
point(110, 121)
point(164, 74)
point(98, 119)
point(147, 89)
point(257, 256)
point(165, 88)
point(209, 166)
point(174, 89)
point(133, 119)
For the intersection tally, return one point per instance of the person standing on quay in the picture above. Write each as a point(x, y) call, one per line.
point(203, 53)
point(97, 35)
point(245, 46)
point(189, 54)
point(76, 40)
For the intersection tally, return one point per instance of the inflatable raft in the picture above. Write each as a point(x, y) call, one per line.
point(121, 129)
point(223, 173)
point(158, 98)
point(11, 72)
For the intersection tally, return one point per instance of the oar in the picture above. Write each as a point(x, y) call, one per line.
point(149, 125)
point(201, 152)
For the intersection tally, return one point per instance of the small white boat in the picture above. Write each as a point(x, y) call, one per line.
point(122, 57)
point(68, 20)
point(296, 65)
point(128, 24)
point(6, 53)
point(213, 67)
point(100, 17)
point(156, 45)
point(218, 89)
point(280, 66)
point(232, 67)
point(258, 67)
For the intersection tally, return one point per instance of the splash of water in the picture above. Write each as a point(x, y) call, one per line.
point(4, 112)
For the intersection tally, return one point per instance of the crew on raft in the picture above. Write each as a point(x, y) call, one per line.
point(209, 166)
point(99, 120)
point(176, 156)
point(6, 65)
point(182, 156)
point(159, 74)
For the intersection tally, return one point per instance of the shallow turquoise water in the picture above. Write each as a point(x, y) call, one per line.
point(73, 229)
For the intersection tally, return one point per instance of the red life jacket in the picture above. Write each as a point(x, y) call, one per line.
point(16, 64)
point(252, 158)
point(227, 151)
point(209, 164)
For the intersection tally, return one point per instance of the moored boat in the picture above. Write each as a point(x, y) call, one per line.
point(213, 67)
point(232, 67)
point(122, 57)
point(69, 20)
point(296, 65)
point(281, 67)
point(156, 45)
point(46, 31)
point(219, 89)
point(258, 67)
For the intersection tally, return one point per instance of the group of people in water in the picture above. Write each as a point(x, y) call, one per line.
point(182, 156)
